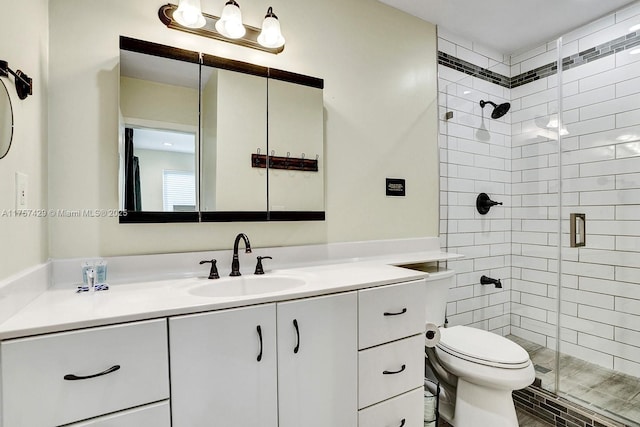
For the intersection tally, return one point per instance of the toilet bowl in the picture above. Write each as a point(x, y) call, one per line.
point(487, 368)
point(477, 370)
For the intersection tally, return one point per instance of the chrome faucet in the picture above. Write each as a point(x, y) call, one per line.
point(235, 264)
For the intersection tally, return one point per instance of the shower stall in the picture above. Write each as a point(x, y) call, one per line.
point(565, 162)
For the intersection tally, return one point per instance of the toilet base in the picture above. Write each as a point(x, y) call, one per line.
point(482, 406)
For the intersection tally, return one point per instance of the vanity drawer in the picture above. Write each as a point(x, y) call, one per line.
point(389, 370)
point(408, 407)
point(388, 313)
point(156, 415)
point(127, 366)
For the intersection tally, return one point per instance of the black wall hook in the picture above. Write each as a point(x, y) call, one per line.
point(24, 83)
point(484, 203)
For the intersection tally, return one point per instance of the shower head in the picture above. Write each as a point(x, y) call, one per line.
point(498, 110)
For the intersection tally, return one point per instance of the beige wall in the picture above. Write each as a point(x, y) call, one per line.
point(157, 102)
point(25, 45)
point(379, 67)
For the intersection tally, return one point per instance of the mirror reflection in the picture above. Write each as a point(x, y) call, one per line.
point(220, 139)
point(159, 111)
point(6, 121)
point(296, 123)
point(234, 125)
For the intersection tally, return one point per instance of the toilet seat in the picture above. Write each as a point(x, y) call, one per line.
point(482, 347)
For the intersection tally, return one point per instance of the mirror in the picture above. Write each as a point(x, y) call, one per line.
point(159, 112)
point(205, 138)
point(6, 121)
point(234, 125)
point(296, 132)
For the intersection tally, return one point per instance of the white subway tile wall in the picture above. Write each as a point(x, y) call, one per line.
point(514, 159)
point(475, 158)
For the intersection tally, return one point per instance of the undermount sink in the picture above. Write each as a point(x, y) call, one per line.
point(245, 285)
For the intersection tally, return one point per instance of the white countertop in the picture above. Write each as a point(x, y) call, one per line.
point(61, 309)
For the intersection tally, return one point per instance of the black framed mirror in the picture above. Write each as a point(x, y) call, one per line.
point(258, 141)
point(6, 121)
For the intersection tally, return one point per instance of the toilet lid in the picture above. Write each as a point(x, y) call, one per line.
point(482, 347)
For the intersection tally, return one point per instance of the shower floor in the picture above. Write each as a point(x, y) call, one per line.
point(613, 392)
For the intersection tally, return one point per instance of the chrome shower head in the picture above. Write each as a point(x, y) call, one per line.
point(498, 110)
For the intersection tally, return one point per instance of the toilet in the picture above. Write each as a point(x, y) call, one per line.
point(477, 370)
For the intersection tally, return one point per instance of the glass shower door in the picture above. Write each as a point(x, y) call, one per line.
point(599, 296)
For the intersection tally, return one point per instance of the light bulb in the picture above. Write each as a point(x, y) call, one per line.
point(189, 14)
point(230, 22)
point(271, 36)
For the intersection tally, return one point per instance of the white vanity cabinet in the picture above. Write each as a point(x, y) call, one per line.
point(309, 380)
point(223, 368)
point(61, 378)
point(318, 361)
point(353, 358)
point(391, 356)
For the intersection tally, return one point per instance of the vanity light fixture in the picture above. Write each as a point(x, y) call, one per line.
point(189, 14)
point(228, 27)
point(24, 83)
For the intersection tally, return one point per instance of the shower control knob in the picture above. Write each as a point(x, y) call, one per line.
point(484, 203)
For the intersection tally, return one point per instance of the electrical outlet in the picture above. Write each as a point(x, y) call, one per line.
point(22, 194)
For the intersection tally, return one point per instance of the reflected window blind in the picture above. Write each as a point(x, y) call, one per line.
point(178, 191)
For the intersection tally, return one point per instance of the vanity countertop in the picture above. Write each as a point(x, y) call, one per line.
point(61, 309)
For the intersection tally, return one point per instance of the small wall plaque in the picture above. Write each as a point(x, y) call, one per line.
point(396, 187)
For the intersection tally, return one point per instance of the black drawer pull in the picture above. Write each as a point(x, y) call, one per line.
point(297, 348)
point(404, 310)
point(395, 372)
point(260, 336)
point(403, 422)
point(72, 377)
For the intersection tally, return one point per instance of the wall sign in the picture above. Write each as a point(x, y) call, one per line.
point(396, 187)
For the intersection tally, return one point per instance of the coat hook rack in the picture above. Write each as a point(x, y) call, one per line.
point(284, 162)
point(484, 203)
point(24, 83)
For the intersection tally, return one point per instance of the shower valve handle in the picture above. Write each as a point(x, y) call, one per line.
point(484, 203)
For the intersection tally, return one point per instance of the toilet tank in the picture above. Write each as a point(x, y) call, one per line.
point(438, 284)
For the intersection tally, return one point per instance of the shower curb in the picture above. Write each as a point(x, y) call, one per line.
point(559, 411)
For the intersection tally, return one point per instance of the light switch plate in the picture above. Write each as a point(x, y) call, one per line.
point(22, 193)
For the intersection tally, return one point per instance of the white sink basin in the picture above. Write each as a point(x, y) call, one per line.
point(245, 285)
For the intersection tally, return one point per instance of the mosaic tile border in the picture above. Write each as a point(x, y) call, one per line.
point(473, 70)
point(625, 42)
point(559, 411)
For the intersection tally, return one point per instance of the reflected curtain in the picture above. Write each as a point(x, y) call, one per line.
point(132, 194)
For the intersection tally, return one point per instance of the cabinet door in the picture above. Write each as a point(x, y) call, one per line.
point(223, 371)
point(318, 362)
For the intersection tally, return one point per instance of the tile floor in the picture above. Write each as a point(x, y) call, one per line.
point(588, 384)
point(524, 419)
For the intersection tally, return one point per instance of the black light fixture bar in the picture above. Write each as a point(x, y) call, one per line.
point(24, 83)
point(250, 39)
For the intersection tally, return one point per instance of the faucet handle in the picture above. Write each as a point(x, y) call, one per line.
point(259, 269)
point(213, 273)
